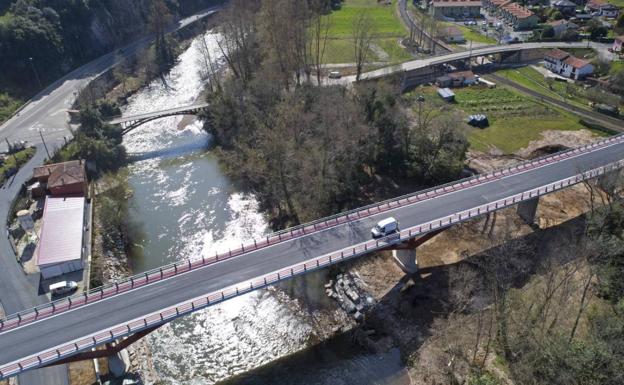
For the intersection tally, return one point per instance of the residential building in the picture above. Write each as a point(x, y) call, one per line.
point(455, 9)
point(493, 6)
point(602, 8)
point(451, 34)
point(618, 44)
point(61, 179)
point(457, 79)
point(566, 65)
point(521, 18)
point(566, 7)
point(554, 60)
point(61, 239)
point(564, 28)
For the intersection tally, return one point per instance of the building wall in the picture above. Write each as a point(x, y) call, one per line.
point(51, 271)
point(456, 12)
point(69, 189)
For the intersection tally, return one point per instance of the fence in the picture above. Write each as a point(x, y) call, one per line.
point(316, 263)
point(181, 267)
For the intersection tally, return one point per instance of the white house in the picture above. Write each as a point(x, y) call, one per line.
point(602, 8)
point(566, 65)
point(577, 69)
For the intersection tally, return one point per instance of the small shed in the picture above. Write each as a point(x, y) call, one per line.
point(61, 239)
point(478, 120)
point(446, 94)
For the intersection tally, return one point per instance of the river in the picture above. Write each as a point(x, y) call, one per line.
point(184, 207)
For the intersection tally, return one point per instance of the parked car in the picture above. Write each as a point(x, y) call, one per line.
point(63, 287)
point(385, 227)
point(335, 75)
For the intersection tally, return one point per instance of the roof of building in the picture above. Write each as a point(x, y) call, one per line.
point(446, 93)
point(576, 62)
point(456, 3)
point(61, 232)
point(564, 3)
point(67, 173)
point(596, 3)
point(47, 169)
point(499, 3)
point(517, 10)
point(558, 54)
point(466, 75)
point(567, 23)
point(450, 31)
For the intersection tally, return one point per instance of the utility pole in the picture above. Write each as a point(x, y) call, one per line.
point(44, 145)
point(9, 149)
point(32, 65)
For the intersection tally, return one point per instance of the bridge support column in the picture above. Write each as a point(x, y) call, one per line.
point(527, 209)
point(406, 259)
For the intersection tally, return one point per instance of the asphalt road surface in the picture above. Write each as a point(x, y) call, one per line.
point(47, 111)
point(49, 333)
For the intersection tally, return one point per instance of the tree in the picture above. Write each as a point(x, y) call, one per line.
point(238, 42)
point(596, 29)
point(160, 17)
point(363, 29)
point(320, 32)
point(548, 32)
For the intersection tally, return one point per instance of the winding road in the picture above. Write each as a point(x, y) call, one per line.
point(47, 112)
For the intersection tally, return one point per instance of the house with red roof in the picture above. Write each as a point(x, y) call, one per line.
point(566, 65)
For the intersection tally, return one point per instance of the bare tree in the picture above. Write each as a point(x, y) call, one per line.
point(209, 67)
point(238, 38)
point(363, 29)
point(320, 25)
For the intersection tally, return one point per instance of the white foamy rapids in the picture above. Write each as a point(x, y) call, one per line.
point(182, 87)
point(235, 336)
point(186, 208)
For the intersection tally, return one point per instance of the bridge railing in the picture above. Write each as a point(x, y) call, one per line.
point(180, 267)
point(173, 312)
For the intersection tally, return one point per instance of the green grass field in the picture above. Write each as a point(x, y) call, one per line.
point(8, 105)
point(21, 156)
point(471, 33)
point(534, 80)
point(387, 26)
point(515, 120)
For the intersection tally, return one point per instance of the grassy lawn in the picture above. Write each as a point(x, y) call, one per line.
point(21, 156)
point(471, 33)
point(8, 105)
point(388, 30)
point(474, 35)
point(515, 120)
point(534, 80)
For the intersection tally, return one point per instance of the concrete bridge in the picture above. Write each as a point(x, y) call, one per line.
point(59, 330)
point(420, 71)
point(411, 73)
point(130, 122)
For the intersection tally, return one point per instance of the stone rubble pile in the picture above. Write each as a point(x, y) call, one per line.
point(348, 290)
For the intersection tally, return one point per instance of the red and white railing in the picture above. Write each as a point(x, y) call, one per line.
point(316, 263)
point(168, 271)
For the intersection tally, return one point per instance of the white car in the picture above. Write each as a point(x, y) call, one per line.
point(63, 287)
point(335, 75)
point(385, 227)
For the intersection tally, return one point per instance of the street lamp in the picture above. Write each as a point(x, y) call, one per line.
point(32, 65)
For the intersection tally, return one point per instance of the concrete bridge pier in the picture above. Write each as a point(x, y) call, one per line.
point(406, 259)
point(527, 209)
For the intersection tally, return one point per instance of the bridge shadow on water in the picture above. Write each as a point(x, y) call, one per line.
point(170, 152)
point(375, 351)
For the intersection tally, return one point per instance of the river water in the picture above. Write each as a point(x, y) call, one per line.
point(184, 207)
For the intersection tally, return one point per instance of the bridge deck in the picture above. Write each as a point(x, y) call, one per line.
point(88, 320)
point(154, 114)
